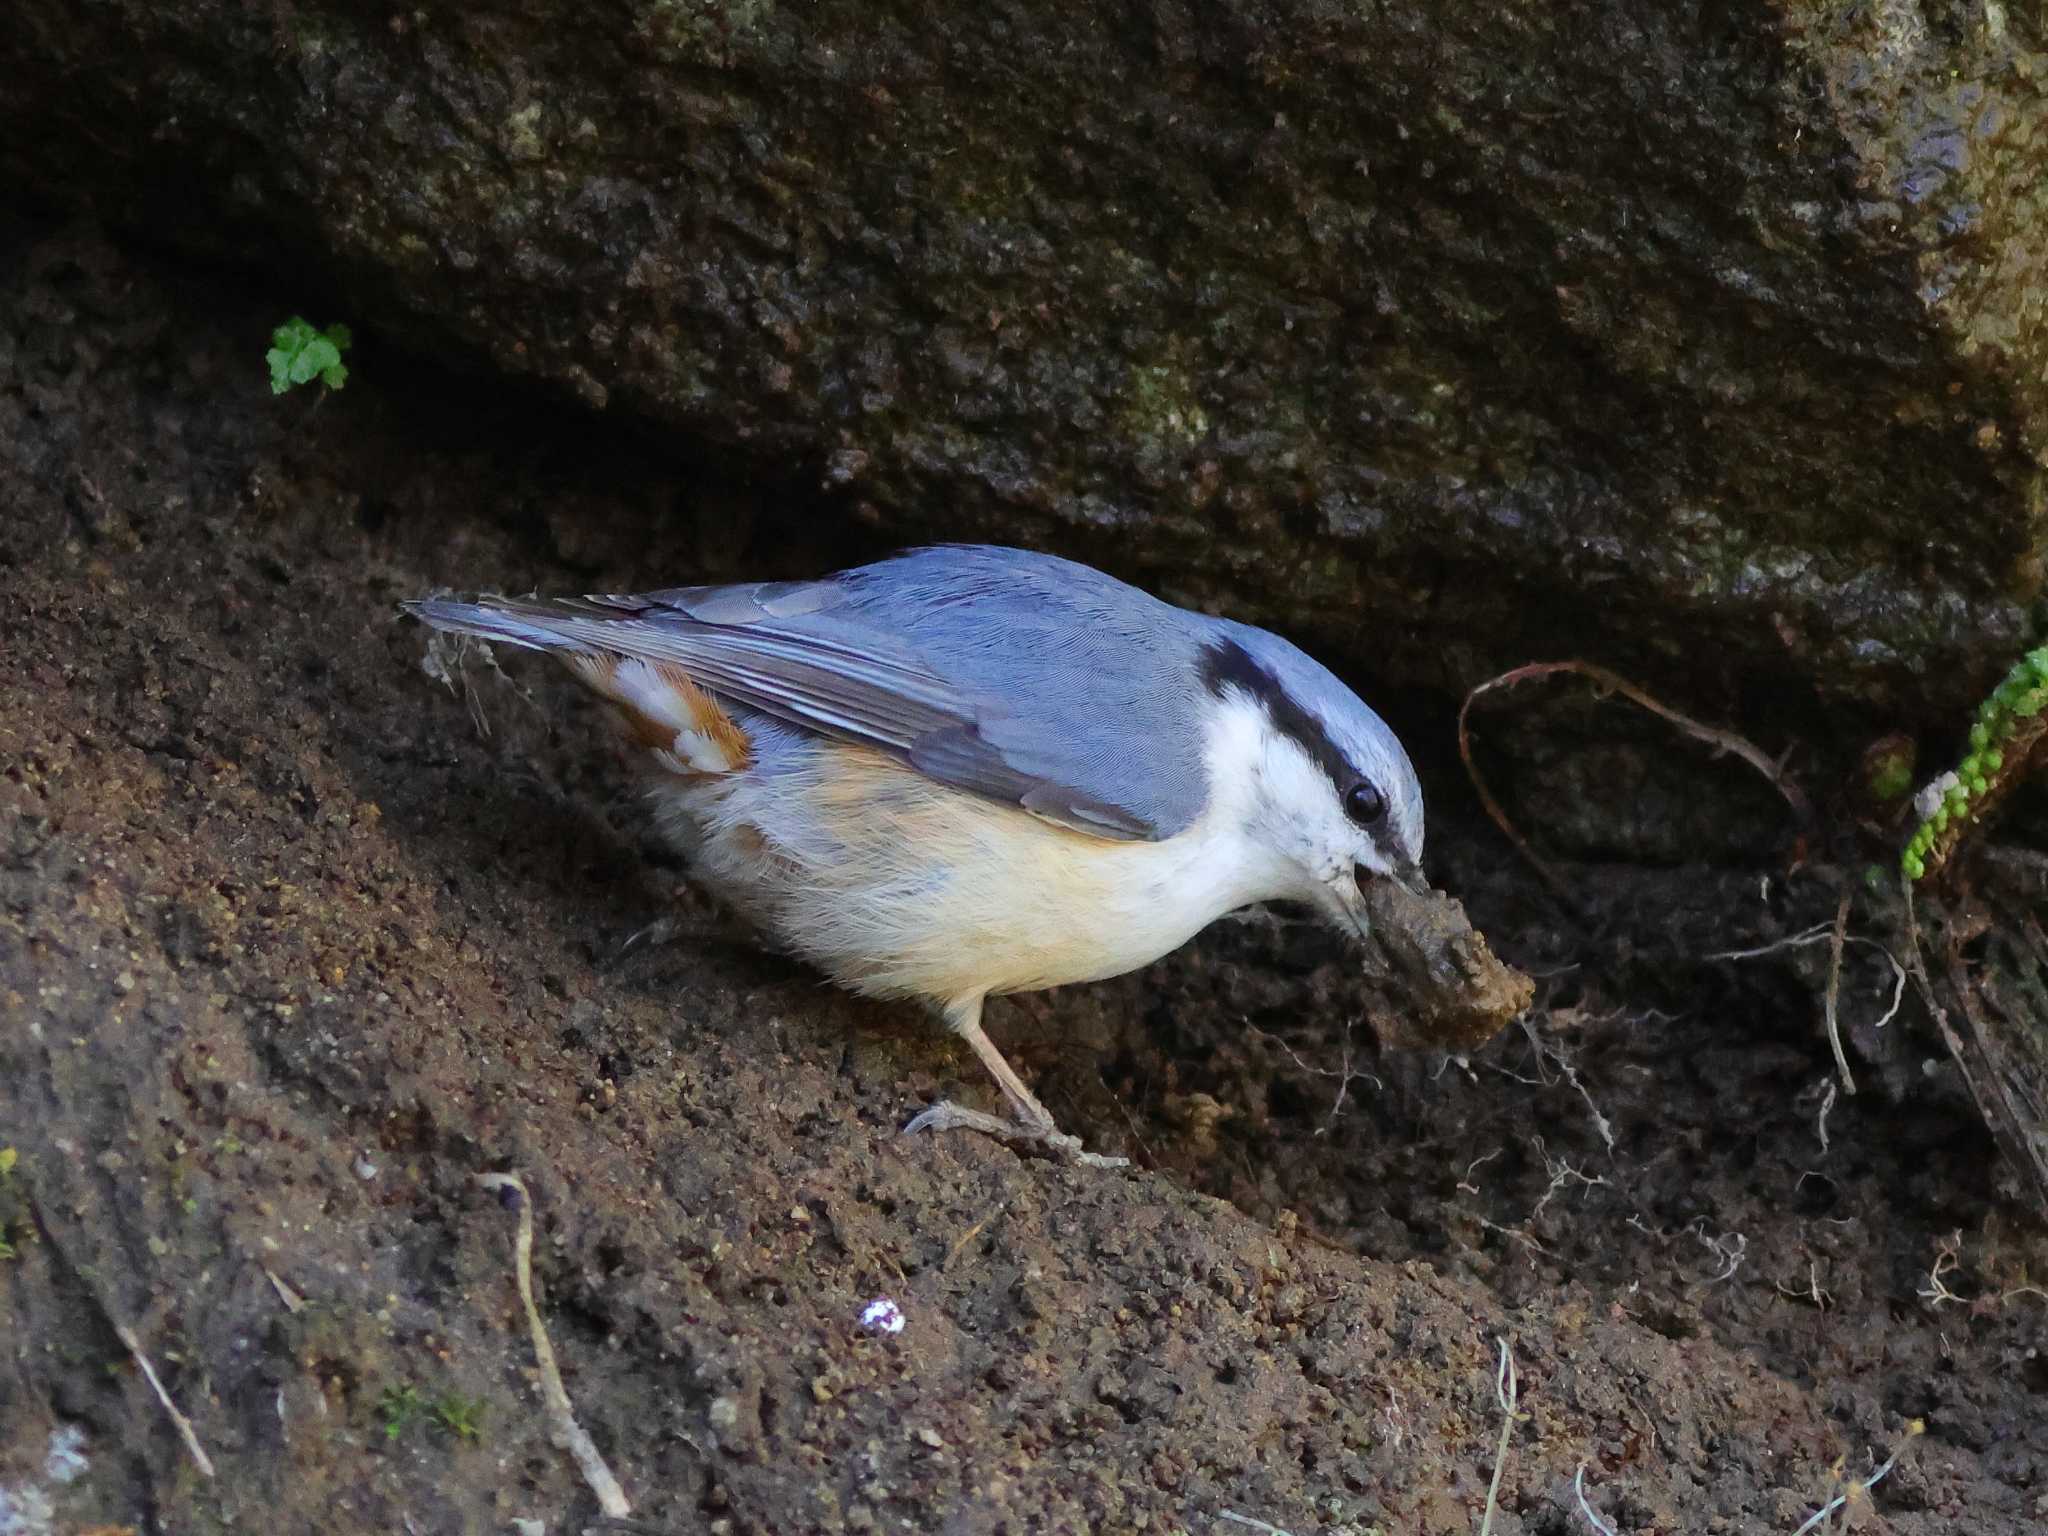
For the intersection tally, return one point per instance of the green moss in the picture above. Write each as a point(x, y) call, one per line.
point(1889, 775)
point(701, 31)
point(1160, 405)
point(521, 136)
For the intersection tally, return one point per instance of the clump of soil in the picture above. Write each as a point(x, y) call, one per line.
point(291, 950)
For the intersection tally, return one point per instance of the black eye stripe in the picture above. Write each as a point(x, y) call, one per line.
point(1226, 664)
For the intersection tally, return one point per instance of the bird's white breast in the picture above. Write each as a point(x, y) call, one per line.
point(898, 885)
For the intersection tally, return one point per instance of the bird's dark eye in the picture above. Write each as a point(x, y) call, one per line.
point(1364, 804)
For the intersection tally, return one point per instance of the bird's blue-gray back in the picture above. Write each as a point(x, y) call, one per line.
point(1008, 673)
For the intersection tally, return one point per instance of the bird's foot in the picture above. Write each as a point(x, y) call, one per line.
point(946, 1116)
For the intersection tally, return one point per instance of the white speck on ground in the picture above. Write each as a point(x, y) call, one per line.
point(882, 1316)
point(24, 1511)
point(66, 1461)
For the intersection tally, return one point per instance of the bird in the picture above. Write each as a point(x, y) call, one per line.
point(968, 770)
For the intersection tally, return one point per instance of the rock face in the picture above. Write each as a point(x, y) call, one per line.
point(1399, 326)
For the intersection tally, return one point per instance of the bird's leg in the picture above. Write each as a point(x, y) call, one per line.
point(1033, 1121)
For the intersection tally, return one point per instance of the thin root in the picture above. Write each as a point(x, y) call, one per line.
point(1834, 993)
point(1948, 1258)
point(128, 1340)
point(1506, 1392)
point(1586, 1509)
point(1837, 937)
point(1262, 1527)
point(1858, 1489)
point(972, 1233)
point(184, 1425)
point(566, 1433)
point(1344, 1074)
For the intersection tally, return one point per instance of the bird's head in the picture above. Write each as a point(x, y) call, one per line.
point(1329, 796)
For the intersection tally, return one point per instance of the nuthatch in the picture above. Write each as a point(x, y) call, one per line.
point(970, 770)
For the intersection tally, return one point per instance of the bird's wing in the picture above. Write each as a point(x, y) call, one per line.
point(1033, 707)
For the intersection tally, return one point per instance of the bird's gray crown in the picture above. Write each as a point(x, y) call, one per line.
point(1336, 729)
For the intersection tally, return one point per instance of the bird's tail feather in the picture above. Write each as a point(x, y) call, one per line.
point(538, 624)
point(660, 704)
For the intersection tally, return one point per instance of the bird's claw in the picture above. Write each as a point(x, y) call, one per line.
point(947, 1116)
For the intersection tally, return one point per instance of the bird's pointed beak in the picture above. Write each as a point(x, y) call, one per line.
point(1345, 904)
point(1344, 898)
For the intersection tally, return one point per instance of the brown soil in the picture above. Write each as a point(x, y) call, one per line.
point(290, 952)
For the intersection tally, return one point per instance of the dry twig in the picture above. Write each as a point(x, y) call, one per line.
point(293, 1301)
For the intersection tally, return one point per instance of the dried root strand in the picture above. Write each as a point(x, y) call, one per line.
point(1612, 682)
point(564, 1430)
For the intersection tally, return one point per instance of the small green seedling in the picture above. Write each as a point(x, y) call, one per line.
point(13, 1228)
point(399, 1408)
point(402, 1408)
point(462, 1417)
point(300, 354)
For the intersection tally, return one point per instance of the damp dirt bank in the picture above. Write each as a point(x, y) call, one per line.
point(292, 949)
